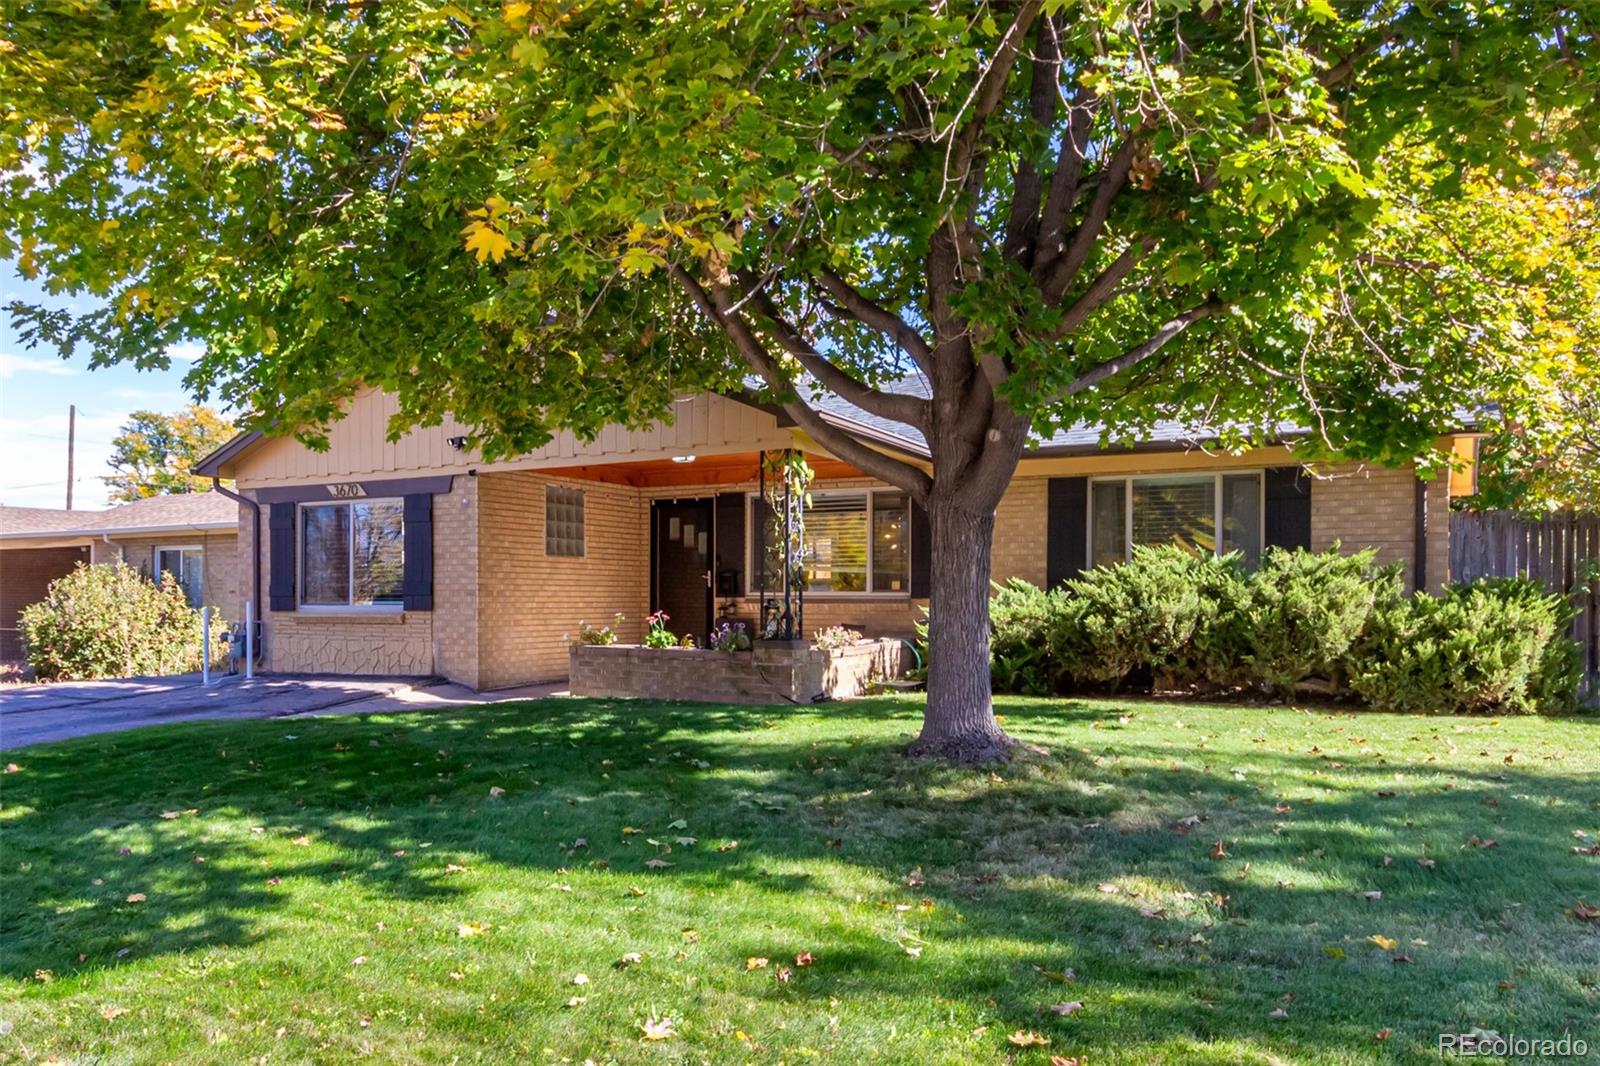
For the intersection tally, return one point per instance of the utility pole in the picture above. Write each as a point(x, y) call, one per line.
point(72, 433)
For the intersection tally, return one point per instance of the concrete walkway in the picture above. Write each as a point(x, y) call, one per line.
point(33, 714)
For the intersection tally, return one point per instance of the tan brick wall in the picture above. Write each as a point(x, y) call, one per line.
point(1019, 532)
point(530, 603)
point(221, 588)
point(770, 673)
point(456, 594)
point(1364, 506)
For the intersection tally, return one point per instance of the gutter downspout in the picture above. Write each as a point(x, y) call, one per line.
point(122, 552)
point(255, 548)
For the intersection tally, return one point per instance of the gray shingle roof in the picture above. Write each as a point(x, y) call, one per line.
point(189, 510)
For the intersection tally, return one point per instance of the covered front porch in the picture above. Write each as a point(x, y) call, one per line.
point(690, 536)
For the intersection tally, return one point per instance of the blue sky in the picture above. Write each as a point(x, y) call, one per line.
point(36, 387)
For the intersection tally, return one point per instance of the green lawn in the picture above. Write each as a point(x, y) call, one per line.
point(325, 889)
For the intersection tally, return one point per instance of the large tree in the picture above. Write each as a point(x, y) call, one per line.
point(562, 214)
point(153, 453)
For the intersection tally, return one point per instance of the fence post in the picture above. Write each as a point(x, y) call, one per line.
point(205, 645)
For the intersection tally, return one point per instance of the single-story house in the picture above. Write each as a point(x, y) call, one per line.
point(416, 556)
point(194, 536)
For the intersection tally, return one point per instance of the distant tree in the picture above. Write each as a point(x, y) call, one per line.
point(154, 452)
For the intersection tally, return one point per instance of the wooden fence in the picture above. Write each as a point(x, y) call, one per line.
point(1560, 550)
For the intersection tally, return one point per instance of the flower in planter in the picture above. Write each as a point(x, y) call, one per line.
point(835, 637)
point(658, 635)
point(729, 637)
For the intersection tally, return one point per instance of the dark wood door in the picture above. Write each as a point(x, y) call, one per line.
point(683, 549)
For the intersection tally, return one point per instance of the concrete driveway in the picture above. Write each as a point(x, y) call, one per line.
point(33, 714)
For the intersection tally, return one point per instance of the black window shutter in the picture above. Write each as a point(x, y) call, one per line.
point(280, 543)
point(1066, 529)
point(1288, 507)
point(417, 592)
point(730, 543)
point(921, 552)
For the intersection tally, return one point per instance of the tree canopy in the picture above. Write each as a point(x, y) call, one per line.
point(543, 215)
point(153, 453)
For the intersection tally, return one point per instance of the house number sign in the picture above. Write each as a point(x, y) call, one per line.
point(347, 490)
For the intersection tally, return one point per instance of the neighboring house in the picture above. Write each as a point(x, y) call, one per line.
point(193, 535)
point(415, 556)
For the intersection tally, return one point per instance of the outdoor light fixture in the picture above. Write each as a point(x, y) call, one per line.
point(458, 443)
point(683, 458)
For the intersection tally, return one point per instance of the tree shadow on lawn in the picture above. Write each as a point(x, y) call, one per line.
point(1065, 860)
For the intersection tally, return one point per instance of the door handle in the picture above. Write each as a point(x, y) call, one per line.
point(708, 579)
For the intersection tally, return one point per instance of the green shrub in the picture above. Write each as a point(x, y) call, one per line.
point(108, 621)
point(1492, 647)
point(1308, 609)
point(1162, 612)
point(1020, 617)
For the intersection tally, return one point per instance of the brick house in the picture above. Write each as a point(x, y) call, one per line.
point(194, 536)
point(416, 556)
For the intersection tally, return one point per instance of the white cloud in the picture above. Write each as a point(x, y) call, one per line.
point(12, 365)
point(187, 352)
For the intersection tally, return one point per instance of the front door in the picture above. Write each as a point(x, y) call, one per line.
point(682, 550)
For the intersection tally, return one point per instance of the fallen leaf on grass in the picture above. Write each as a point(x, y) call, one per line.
point(454, 868)
point(1219, 850)
point(466, 929)
point(1585, 913)
point(1108, 888)
point(656, 864)
point(1060, 977)
point(577, 1001)
point(1183, 825)
point(1278, 1014)
point(13, 768)
point(1427, 864)
point(495, 792)
point(1373, 895)
point(1028, 1038)
point(1383, 942)
point(782, 975)
point(729, 846)
point(359, 960)
point(1157, 913)
point(301, 842)
point(805, 958)
point(1333, 951)
point(686, 842)
point(658, 1029)
point(1592, 849)
point(1476, 841)
point(1399, 959)
point(580, 978)
point(755, 962)
point(627, 960)
point(913, 950)
point(1065, 1009)
point(1066, 1060)
point(136, 897)
point(1382, 1034)
point(678, 824)
point(112, 1013)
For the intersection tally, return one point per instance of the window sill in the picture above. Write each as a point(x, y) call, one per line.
point(374, 615)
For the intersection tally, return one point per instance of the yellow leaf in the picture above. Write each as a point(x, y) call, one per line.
point(1028, 1039)
point(1383, 942)
point(486, 242)
point(515, 12)
point(466, 929)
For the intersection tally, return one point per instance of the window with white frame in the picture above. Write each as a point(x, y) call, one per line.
point(186, 564)
point(855, 542)
point(1220, 512)
point(352, 554)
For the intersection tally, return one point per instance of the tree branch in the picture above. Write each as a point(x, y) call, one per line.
point(716, 302)
point(901, 407)
point(1113, 176)
point(1139, 353)
point(1102, 288)
point(1044, 93)
point(1064, 181)
point(987, 94)
point(880, 318)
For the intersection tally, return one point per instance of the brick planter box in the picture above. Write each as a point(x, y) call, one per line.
point(770, 673)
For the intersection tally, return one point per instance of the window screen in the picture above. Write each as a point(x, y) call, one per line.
point(563, 521)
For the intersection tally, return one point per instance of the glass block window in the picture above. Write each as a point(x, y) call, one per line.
point(563, 521)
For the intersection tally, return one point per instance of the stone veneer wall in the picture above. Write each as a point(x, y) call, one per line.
point(771, 673)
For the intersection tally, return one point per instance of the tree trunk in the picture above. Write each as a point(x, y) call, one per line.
point(959, 724)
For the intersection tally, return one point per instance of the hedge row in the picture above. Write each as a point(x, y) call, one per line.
point(1325, 622)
